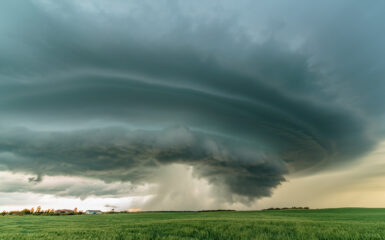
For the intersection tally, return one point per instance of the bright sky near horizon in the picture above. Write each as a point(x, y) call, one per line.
point(188, 105)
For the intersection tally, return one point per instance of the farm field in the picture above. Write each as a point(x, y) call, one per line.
point(344, 223)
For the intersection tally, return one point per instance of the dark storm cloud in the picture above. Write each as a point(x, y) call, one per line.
point(122, 155)
point(257, 94)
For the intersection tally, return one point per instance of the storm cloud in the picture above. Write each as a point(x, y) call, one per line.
point(117, 154)
point(245, 93)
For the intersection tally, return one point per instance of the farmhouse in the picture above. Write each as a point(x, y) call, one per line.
point(93, 212)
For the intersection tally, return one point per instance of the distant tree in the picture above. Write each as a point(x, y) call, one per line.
point(38, 209)
point(14, 213)
point(26, 211)
point(49, 212)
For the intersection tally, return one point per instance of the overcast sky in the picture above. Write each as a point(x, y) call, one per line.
point(187, 105)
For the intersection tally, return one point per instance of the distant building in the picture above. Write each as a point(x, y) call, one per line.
point(64, 211)
point(93, 212)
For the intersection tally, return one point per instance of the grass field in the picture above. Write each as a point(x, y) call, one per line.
point(283, 224)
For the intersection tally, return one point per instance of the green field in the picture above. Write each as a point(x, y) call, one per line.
point(283, 224)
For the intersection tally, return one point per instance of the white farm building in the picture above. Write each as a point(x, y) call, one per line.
point(93, 212)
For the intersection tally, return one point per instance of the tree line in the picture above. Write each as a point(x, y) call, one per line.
point(287, 208)
point(40, 211)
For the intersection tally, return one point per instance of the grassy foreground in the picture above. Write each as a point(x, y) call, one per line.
point(284, 224)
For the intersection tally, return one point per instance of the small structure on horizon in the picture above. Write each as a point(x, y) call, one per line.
point(93, 212)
